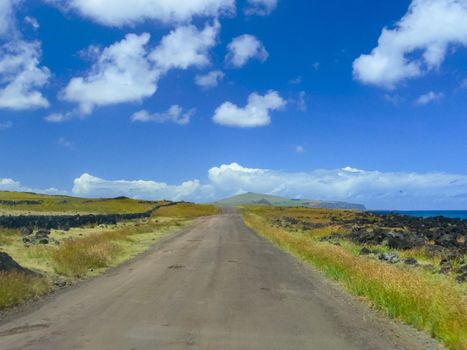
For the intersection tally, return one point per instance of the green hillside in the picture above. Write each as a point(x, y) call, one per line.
point(25, 202)
point(264, 199)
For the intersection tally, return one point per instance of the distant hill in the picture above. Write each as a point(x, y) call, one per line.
point(26, 202)
point(264, 199)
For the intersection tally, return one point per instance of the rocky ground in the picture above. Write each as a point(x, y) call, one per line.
point(65, 222)
point(440, 237)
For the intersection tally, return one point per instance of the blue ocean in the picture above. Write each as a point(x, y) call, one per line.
point(454, 214)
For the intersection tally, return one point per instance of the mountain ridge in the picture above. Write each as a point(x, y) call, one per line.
point(265, 199)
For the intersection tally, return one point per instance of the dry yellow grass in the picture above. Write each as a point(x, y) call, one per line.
point(76, 257)
point(431, 303)
point(187, 210)
point(16, 288)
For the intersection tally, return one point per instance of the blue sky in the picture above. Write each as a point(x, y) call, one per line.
point(362, 101)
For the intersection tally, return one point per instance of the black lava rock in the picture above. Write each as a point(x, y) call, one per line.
point(410, 261)
point(7, 264)
point(365, 251)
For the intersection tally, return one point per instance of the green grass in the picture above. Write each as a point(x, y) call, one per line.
point(187, 210)
point(66, 204)
point(16, 288)
point(433, 303)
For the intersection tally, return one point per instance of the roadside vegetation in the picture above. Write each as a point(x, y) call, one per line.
point(429, 301)
point(187, 210)
point(16, 288)
point(77, 253)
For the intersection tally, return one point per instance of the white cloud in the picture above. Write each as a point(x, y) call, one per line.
point(429, 97)
point(260, 7)
point(184, 47)
point(58, 117)
point(21, 76)
point(128, 71)
point(430, 28)
point(174, 114)
point(90, 186)
point(6, 16)
point(124, 12)
point(210, 79)
point(255, 113)
point(5, 125)
point(244, 48)
point(375, 189)
point(122, 73)
point(32, 22)
point(7, 184)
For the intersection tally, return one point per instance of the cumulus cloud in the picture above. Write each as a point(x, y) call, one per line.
point(91, 186)
point(210, 79)
point(7, 184)
point(417, 44)
point(174, 114)
point(429, 97)
point(260, 7)
point(244, 48)
point(21, 75)
point(124, 12)
point(375, 189)
point(372, 188)
point(184, 47)
point(122, 73)
point(129, 70)
point(255, 113)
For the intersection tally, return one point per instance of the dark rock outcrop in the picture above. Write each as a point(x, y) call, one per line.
point(7, 264)
point(13, 203)
point(40, 237)
point(410, 261)
point(65, 222)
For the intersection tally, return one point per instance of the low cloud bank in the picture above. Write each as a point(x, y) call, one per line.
point(375, 189)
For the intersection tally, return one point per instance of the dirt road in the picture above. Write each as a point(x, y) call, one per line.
point(214, 286)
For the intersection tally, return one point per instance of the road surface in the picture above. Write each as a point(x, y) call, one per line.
point(216, 285)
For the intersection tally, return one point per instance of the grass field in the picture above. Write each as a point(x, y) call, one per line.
point(186, 210)
point(427, 301)
point(31, 202)
point(82, 252)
